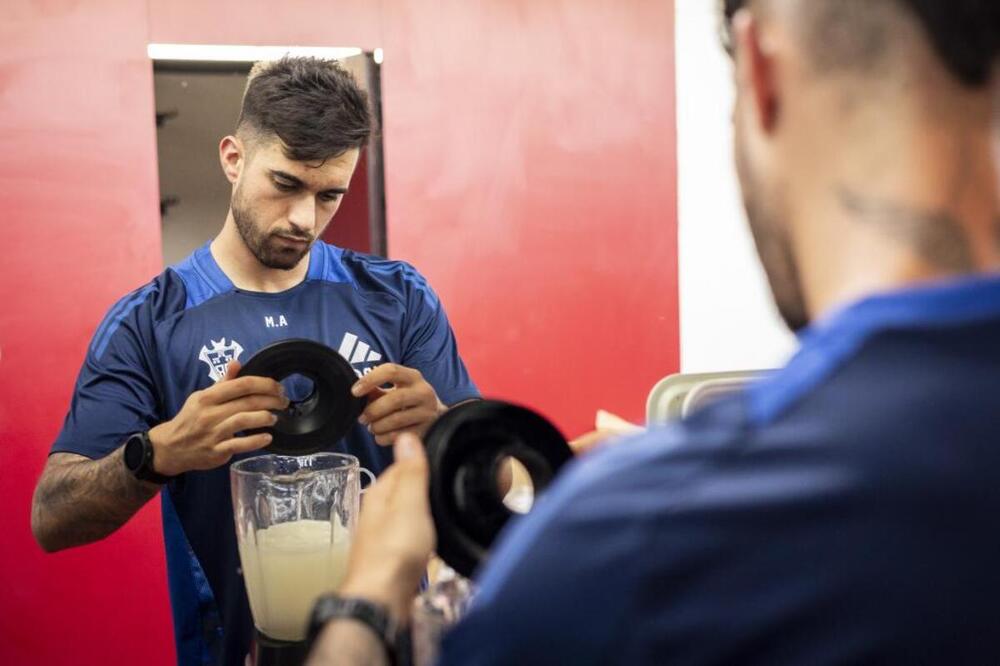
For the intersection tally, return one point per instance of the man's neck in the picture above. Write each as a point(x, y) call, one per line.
point(924, 210)
point(245, 271)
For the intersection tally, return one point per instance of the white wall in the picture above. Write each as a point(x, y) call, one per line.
point(728, 320)
point(207, 104)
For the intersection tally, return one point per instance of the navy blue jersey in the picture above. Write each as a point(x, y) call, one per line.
point(841, 511)
point(175, 336)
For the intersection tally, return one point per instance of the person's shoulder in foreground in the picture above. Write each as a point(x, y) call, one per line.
point(840, 511)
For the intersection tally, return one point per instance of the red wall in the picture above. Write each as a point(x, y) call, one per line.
point(530, 173)
point(78, 203)
point(351, 229)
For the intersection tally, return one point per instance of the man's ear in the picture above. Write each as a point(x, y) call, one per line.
point(232, 156)
point(756, 70)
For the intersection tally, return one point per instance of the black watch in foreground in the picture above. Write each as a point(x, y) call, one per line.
point(138, 456)
point(375, 616)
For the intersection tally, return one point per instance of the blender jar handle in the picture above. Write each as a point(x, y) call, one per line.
point(371, 478)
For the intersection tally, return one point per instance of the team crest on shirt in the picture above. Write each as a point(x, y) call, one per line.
point(218, 357)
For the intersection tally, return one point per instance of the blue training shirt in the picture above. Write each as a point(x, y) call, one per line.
point(841, 511)
point(176, 334)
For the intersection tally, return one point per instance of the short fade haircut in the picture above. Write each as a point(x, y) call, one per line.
point(965, 34)
point(314, 106)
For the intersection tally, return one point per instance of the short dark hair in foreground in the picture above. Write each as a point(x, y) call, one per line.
point(965, 34)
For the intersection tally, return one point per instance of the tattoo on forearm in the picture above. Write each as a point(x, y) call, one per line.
point(79, 500)
point(935, 235)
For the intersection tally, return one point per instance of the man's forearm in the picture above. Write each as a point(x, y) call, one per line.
point(79, 500)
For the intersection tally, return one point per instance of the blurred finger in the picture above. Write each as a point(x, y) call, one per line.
point(376, 494)
point(232, 369)
point(411, 459)
point(410, 455)
point(389, 438)
point(590, 440)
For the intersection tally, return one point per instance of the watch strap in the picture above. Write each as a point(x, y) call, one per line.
point(139, 460)
point(375, 616)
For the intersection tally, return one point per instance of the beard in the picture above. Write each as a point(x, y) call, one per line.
point(267, 246)
point(774, 246)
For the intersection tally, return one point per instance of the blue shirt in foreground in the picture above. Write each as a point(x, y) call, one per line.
point(841, 511)
point(176, 335)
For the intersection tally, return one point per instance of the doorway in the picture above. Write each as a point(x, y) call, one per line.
point(198, 103)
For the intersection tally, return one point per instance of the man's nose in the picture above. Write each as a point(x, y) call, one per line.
point(302, 215)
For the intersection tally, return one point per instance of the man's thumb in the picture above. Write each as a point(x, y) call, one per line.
point(408, 447)
point(232, 369)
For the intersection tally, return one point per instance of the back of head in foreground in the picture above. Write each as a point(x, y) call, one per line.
point(841, 511)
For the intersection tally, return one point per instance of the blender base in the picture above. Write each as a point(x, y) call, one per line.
point(269, 651)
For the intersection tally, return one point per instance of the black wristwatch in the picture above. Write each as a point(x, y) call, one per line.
point(375, 616)
point(138, 456)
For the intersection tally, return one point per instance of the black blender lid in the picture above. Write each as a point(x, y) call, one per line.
point(465, 447)
point(323, 417)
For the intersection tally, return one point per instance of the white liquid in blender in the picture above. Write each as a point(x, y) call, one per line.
point(291, 566)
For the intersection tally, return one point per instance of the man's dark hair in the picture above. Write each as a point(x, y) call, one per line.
point(965, 34)
point(313, 106)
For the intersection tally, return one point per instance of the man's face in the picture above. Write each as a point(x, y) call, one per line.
point(281, 206)
point(761, 170)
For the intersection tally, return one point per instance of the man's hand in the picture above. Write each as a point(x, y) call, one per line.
point(607, 427)
point(411, 405)
point(395, 534)
point(591, 440)
point(203, 434)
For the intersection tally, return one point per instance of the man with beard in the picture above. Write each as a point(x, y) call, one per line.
point(842, 510)
point(160, 379)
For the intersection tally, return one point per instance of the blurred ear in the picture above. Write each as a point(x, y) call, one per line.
point(756, 71)
point(232, 156)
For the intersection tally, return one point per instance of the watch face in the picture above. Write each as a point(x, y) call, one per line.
point(133, 453)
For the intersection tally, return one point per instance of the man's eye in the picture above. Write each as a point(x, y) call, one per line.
point(329, 198)
point(283, 187)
